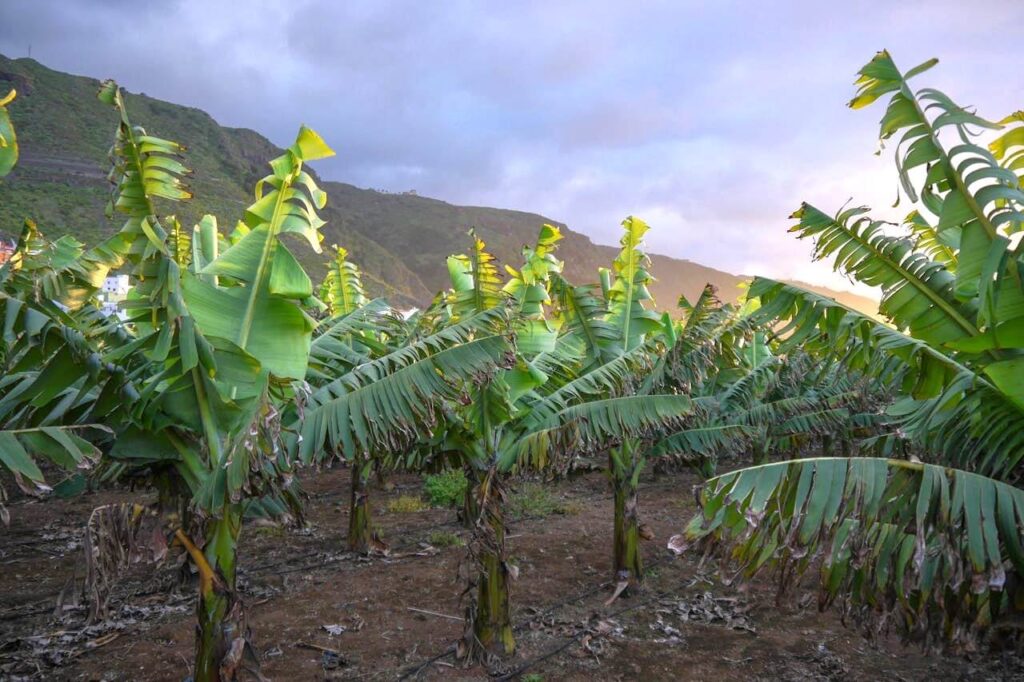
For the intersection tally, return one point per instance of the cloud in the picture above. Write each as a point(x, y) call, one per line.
point(711, 120)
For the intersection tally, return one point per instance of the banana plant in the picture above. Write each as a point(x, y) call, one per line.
point(52, 372)
point(544, 404)
point(749, 396)
point(793, 402)
point(52, 379)
point(474, 429)
point(389, 405)
point(355, 331)
point(366, 341)
point(223, 344)
point(711, 350)
point(633, 325)
point(934, 545)
point(262, 321)
point(222, 338)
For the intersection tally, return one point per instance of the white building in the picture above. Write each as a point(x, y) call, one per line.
point(117, 285)
point(115, 289)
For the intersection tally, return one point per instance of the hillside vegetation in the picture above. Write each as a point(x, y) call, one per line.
point(400, 240)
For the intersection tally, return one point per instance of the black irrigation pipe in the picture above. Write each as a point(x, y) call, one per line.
point(420, 667)
point(28, 614)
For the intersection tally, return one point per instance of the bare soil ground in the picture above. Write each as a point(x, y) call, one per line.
point(320, 613)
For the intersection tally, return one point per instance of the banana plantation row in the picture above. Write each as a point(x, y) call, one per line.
point(886, 453)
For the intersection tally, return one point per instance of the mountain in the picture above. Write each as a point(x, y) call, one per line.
point(399, 240)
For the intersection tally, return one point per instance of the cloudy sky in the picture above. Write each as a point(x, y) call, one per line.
point(711, 120)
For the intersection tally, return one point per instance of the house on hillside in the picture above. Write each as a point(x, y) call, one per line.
point(116, 285)
point(114, 291)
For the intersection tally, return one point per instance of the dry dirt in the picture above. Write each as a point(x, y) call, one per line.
point(319, 613)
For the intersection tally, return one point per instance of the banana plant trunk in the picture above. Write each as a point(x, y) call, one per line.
point(760, 451)
point(360, 533)
point(488, 621)
point(380, 475)
point(222, 635)
point(469, 512)
point(624, 466)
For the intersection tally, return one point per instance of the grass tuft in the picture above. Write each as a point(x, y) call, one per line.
point(536, 499)
point(406, 504)
point(443, 539)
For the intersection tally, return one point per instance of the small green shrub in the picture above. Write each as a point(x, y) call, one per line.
point(442, 538)
point(406, 504)
point(446, 489)
point(536, 499)
point(533, 677)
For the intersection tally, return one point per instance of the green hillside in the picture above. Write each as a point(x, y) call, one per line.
point(398, 239)
point(65, 134)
